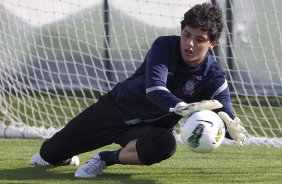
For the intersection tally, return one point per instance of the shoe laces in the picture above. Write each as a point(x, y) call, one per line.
point(95, 165)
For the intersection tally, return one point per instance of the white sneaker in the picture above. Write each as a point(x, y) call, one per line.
point(91, 168)
point(37, 160)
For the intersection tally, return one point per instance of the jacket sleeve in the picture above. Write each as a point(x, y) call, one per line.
point(158, 59)
point(222, 94)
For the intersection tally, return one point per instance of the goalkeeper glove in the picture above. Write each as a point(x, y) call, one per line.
point(184, 109)
point(234, 128)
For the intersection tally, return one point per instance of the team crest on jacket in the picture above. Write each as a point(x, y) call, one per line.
point(189, 86)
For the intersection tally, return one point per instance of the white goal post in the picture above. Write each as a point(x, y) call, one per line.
point(58, 57)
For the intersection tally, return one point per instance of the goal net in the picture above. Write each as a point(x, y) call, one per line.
point(58, 57)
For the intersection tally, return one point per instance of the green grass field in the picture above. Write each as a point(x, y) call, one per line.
point(227, 164)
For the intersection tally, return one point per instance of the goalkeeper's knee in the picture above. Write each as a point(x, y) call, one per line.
point(159, 144)
point(53, 153)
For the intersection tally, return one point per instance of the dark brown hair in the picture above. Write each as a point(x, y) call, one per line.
point(205, 16)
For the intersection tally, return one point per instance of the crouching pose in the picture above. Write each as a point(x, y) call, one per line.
point(177, 77)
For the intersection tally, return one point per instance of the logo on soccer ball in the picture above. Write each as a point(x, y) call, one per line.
point(219, 135)
point(193, 141)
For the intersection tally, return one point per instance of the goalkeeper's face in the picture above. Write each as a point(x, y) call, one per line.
point(194, 44)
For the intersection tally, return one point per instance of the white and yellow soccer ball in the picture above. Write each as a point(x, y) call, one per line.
point(203, 131)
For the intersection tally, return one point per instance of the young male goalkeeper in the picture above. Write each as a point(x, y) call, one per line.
point(177, 77)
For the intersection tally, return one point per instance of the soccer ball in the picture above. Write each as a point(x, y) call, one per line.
point(203, 131)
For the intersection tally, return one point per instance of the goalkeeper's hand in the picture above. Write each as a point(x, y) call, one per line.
point(184, 109)
point(234, 128)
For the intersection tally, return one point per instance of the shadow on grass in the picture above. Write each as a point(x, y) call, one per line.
point(48, 174)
